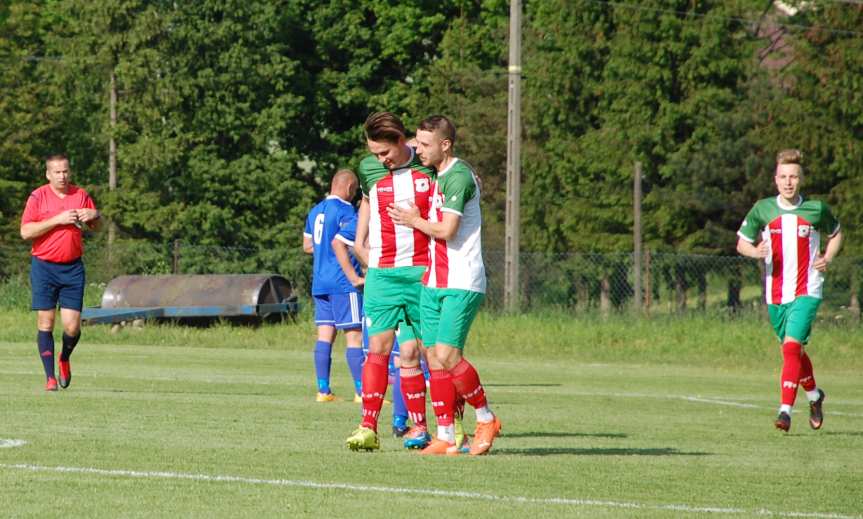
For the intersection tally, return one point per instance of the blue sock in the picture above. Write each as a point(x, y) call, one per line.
point(355, 358)
point(425, 369)
point(399, 407)
point(45, 340)
point(69, 344)
point(323, 351)
point(365, 338)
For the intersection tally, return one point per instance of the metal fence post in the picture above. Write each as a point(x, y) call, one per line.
point(636, 236)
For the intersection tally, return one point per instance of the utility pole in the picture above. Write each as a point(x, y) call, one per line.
point(636, 236)
point(513, 161)
point(112, 153)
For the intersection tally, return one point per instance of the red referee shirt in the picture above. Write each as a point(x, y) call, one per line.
point(63, 243)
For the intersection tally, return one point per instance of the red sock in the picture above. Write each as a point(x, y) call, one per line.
point(791, 368)
point(467, 385)
point(807, 376)
point(414, 393)
point(374, 388)
point(442, 396)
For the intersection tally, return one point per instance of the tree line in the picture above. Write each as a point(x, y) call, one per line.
point(231, 115)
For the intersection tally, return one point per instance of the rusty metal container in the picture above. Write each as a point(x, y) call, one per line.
point(195, 290)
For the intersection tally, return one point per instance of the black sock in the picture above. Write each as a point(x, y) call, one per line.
point(69, 344)
point(45, 341)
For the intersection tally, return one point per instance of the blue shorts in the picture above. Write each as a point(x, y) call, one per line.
point(51, 283)
point(344, 311)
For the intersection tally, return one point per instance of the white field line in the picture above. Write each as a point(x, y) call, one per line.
point(705, 400)
point(208, 478)
point(8, 444)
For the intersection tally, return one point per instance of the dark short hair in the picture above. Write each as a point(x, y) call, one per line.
point(440, 125)
point(384, 127)
point(55, 157)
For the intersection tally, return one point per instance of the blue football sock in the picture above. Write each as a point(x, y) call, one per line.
point(45, 341)
point(69, 344)
point(425, 368)
point(323, 351)
point(365, 338)
point(399, 407)
point(355, 358)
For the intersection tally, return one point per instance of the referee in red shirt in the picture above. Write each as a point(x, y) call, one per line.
point(53, 219)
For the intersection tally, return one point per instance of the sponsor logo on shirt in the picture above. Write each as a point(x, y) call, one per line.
point(775, 231)
point(385, 189)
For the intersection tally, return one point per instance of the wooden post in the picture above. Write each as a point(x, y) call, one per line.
point(175, 268)
point(112, 156)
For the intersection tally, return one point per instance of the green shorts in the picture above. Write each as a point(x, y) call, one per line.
point(392, 301)
point(446, 315)
point(794, 319)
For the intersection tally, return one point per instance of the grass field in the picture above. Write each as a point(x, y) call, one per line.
point(609, 418)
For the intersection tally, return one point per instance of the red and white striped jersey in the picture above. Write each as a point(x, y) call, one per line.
point(392, 245)
point(794, 236)
point(457, 263)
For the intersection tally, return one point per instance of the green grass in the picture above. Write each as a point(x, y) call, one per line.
point(615, 413)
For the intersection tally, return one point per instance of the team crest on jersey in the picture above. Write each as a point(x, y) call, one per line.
point(421, 185)
point(803, 230)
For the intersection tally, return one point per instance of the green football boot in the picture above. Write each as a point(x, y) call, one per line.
point(363, 439)
point(461, 439)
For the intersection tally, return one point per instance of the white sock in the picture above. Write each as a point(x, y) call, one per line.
point(484, 414)
point(785, 408)
point(813, 395)
point(446, 433)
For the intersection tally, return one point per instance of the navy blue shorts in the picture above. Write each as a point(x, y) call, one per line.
point(344, 311)
point(51, 283)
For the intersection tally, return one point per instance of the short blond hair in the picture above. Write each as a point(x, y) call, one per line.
point(789, 156)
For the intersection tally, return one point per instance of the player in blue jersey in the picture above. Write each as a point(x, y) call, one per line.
point(336, 291)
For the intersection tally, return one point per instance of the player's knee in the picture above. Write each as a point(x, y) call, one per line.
point(448, 357)
point(72, 329)
point(45, 321)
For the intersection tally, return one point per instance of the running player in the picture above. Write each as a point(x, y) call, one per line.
point(397, 259)
point(335, 287)
point(790, 229)
point(454, 285)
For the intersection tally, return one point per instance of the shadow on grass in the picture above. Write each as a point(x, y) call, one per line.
point(842, 433)
point(544, 434)
point(522, 385)
point(553, 451)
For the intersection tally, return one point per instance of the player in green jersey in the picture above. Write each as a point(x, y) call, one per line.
point(785, 231)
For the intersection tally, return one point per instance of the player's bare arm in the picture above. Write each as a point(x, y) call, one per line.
point(834, 243)
point(750, 250)
point(410, 217)
point(340, 249)
point(308, 246)
point(33, 230)
point(361, 249)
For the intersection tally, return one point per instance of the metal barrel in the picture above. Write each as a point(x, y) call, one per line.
point(195, 290)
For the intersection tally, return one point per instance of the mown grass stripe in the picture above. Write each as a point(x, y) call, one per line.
point(421, 491)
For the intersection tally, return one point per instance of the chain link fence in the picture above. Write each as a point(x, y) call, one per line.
point(671, 283)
